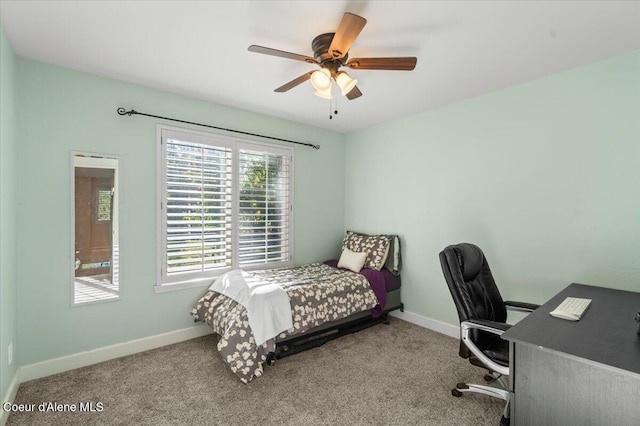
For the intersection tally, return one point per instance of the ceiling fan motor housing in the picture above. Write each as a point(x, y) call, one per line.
point(329, 60)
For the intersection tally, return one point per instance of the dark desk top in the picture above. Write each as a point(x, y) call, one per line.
point(606, 333)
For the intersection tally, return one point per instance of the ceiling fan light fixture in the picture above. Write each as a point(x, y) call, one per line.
point(325, 93)
point(321, 79)
point(345, 82)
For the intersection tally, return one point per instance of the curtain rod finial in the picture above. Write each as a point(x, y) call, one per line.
point(123, 111)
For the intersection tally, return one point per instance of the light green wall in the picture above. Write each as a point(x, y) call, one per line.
point(8, 282)
point(59, 111)
point(543, 176)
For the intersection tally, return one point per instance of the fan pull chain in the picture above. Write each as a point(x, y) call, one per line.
point(335, 111)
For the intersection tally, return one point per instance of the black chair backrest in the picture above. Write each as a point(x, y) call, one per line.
point(471, 284)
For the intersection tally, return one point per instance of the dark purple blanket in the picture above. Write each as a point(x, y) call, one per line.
point(377, 281)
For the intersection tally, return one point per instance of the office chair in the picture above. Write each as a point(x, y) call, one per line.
point(483, 315)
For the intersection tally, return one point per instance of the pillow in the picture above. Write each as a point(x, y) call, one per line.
point(352, 260)
point(375, 246)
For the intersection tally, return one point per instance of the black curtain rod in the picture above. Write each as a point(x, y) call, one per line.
point(122, 111)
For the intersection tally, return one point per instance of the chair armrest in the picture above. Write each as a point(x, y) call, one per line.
point(488, 326)
point(520, 306)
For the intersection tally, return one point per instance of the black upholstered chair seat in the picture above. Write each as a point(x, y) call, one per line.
point(498, 351)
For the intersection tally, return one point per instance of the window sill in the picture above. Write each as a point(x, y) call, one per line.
point(207, 281)
point(166, 288)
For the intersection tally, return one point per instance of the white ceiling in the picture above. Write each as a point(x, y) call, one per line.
point(199, 48)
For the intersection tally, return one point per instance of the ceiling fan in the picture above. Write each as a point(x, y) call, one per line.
point(331, 51)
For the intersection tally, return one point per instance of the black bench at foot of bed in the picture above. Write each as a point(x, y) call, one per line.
point(320, 335)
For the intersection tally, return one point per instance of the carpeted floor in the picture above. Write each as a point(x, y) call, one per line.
point(397, 374)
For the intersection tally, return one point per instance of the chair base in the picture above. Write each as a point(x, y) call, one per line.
point(496, 392)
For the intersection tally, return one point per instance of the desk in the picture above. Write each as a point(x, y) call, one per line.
point(577, 373)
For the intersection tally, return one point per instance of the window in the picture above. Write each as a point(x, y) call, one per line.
point(224, 204)
point(95, 230)
point(104, 204)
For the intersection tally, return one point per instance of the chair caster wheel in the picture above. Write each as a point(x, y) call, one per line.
point(456, 393)
point(504, 421)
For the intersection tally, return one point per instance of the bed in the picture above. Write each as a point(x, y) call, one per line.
point(326, 301)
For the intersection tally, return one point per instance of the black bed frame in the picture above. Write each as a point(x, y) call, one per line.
point(326, 333)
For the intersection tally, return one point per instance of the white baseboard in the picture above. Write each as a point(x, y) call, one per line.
point(430, 323)
point(10, 396)
point(94, 356)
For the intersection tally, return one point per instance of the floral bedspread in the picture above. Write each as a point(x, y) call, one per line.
point(319, 293)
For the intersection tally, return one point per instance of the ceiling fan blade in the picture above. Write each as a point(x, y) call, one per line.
point(406, 63)
point(354, 93)
point(345, 35)
point(282, 54)
point(293, 83)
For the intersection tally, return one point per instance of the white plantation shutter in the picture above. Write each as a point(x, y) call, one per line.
point(198, 209)
point(225, 204)
point(264, 207)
